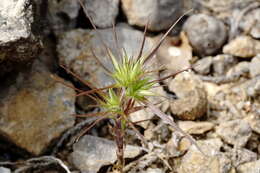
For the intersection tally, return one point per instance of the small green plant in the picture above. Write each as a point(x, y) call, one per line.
point(132, 85)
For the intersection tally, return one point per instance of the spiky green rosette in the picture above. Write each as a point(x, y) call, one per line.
point(131, 76)
point(112, 102)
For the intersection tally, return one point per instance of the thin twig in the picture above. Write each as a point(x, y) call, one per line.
point(150, 55)
point(169, 120)
point(143, 41)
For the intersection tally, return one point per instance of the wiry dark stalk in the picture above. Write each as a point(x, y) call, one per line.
point(119, 138)
point(139, 135)
point(94, 26)
point(85, 130)
point(94, 90)
point(150, 55)
point(171, 75)
point(100, 63)
point(77, 77)
point(116, 40)
point(65, 84)
point(143, 41)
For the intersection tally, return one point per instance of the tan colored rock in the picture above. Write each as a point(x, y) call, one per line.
point(215, 162)
point(254, 66)
point(243, 46)
point(177, 145)
point(192, 97)
point(254, 121)
point(175, 56)
point(203, 65)
point(250, 167)
point(192, 127)
point(196, 163)
point(235, 132)
point(36, 110)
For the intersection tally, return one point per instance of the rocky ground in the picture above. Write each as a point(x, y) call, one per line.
point(218, 102)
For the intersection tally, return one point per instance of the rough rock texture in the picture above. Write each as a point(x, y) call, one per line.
point(252, 87)
point(214, 162)
point(74, 51)
point(222, 63)
point(195, 127)
point(243, 46)
point(206, 33)
point(196, 163)
point(241, 155)
point(251, 23)
point(235, 132)
point(250, 167)
point(203, 66)
point(62, 14)
point(91, 153)
point(35, 110)
point(160, 13)
point(192, 97)
point(253, 120)
point(102, 12)
point(176, 145)
point(254, 66)
point(19, 44)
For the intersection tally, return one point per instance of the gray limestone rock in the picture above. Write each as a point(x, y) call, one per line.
point(222, 63)
point(91, 153)
point(160, 13)
point(206, 33)
point(62, 14)
point(74, 51)
point(203, 65)
point(251, 23)
point(102, 12)
point(241, 155)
